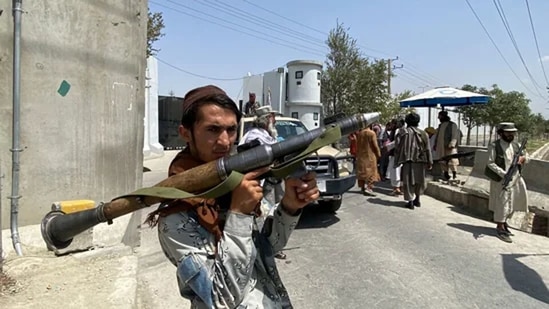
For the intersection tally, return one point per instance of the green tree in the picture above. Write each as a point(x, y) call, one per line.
point(392, 109)
point(537, 125)
point(155, 25)
point(351, 83)
point(369, 92)
point(510, 106)
point(473, 115)
point(341, 65)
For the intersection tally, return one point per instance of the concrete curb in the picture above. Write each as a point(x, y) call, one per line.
point(455, 196)
point(478, 207)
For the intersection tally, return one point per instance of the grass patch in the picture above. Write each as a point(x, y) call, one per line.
point(534, 144)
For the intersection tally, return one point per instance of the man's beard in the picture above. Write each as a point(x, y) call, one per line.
point(508, 138)
point(271, 128)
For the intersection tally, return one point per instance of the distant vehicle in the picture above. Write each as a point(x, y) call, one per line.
point(334, 168)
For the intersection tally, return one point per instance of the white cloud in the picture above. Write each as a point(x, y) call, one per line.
point(544, 58)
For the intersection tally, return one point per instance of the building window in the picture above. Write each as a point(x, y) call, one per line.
point(298, 74)
point(295, 115)
point(315, 116)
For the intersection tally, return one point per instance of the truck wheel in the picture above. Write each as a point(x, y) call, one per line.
point(330, 206)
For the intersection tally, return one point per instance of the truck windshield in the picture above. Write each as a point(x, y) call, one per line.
point(287, 128)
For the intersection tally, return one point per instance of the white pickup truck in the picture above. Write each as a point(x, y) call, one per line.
point(334, 168)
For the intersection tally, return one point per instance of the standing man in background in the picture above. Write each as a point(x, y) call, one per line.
point(446, 142)
point(414, 153)
point(504, 201)
point(367, 155)
point(251, 105)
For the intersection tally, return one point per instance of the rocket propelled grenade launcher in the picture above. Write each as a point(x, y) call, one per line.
point(58, 228)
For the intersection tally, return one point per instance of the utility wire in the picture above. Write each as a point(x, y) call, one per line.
point(408, 78)
point(194, 74)
point(292, 46)
point(246, 16)
point(505, 22)
point(417, 70)
point(231, 10)
point(416, 76)
point(536, 40)
point(239, 25)
point(497, 48)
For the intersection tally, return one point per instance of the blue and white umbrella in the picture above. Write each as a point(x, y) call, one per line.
point(445, 96)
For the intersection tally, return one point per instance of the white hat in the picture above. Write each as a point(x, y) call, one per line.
point(507, 127)
point(263, 111)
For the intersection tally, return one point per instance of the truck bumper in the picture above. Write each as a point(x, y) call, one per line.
point(333, 188)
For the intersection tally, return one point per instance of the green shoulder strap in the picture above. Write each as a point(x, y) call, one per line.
point(331, 135)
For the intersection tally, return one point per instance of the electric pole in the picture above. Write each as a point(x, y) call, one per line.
point(390, 68)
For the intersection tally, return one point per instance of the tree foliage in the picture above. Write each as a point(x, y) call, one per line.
point(351, 83)
point(512, 106)
point(155, 25)
point(392, 109)
point(473, 115)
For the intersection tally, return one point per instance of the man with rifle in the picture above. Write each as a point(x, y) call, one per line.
point(224, 248)
point(507, 187)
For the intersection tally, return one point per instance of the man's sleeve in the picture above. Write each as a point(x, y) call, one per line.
point(279, 227)
point(429, 153)
point(455, 134)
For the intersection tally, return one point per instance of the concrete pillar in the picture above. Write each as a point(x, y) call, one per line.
point(82, 102)
point(151, 145)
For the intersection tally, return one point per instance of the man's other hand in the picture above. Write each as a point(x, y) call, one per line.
point(299, 192)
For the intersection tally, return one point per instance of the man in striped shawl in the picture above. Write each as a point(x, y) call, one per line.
point(413, 151)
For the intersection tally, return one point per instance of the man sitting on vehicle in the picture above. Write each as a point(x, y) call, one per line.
point(264, 131)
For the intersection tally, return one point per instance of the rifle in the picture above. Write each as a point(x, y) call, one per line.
point(218, 177)
point(514, 165)
point(455, 156)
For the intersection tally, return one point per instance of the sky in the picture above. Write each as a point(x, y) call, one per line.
point(437, 42)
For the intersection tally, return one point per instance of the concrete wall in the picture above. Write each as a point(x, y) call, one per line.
point(87, 144)
point(151, 146)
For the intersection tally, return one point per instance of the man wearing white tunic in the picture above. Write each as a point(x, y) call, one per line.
point(446, 142)
point(515, 198)
point(264, 130)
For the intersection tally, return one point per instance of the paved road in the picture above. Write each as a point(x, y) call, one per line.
point(376, 254)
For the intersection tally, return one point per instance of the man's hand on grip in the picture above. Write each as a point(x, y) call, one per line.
point(300, 192)
point(249, 193)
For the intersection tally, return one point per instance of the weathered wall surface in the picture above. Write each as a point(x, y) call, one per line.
point(82, 101)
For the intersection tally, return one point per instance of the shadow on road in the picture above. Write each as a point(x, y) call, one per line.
point(313, 218)
point(477, 231)
point(380, 201)
point(523, 278)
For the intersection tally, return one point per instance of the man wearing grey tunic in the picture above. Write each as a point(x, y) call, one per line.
point(514, 198)
point(223, 248)
point(413, 151)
